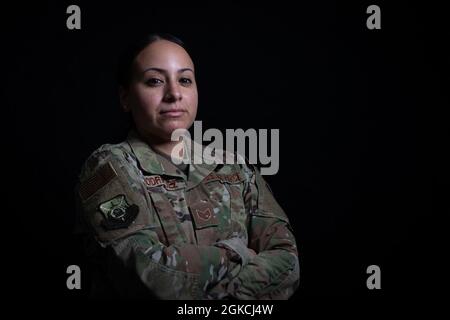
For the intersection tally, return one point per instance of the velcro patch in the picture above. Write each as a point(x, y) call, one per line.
point(118, 213)
point(94, 183)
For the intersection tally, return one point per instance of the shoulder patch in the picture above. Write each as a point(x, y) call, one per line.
point(97, 181)
point(118, 213)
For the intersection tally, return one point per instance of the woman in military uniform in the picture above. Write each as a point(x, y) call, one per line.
point(170, 231)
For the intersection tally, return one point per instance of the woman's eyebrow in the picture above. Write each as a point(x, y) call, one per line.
point(185, 69)
point(165, 71)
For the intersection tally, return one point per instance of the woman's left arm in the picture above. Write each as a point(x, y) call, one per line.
point(273, 273)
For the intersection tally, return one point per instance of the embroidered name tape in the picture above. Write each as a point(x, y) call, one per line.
point(158, 181)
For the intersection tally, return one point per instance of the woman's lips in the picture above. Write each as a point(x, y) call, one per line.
point(172, 113)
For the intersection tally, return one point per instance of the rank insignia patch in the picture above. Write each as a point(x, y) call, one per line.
point(204, 214)
point(118, 213)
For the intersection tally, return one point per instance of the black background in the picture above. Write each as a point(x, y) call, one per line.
point(362, 117)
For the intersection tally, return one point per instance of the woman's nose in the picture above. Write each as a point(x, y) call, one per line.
point(172, 92)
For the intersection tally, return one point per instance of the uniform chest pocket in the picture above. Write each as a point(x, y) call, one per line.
point(173, 231)
point(228, 196)
point(211, 221)
point(217, 210)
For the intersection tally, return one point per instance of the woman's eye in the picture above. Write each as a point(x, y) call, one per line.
point(185, 81)
point(153, 82)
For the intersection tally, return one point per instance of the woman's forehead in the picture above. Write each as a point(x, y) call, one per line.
point(165, 55)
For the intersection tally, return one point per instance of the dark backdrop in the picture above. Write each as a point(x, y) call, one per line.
point(363, 162)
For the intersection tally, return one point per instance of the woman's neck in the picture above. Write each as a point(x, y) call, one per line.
point(164, 146)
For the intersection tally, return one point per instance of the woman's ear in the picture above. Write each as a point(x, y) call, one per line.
point(123, 94)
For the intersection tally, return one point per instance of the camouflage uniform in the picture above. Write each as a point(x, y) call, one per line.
point(215, 233)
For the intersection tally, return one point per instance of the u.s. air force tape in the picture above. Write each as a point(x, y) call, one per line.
point(97, 181)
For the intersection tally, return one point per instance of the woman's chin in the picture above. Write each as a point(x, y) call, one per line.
point(167, 131)
point(171, 126)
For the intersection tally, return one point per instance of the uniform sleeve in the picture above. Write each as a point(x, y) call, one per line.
point(273, 273)
point(118, 213)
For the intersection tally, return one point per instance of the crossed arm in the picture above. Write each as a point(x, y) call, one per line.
point(267, 269)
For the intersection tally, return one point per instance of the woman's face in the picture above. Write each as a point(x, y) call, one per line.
point(162, 95)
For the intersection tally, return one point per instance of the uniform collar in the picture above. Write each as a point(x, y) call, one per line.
point(147, 158)
point(153, 163)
